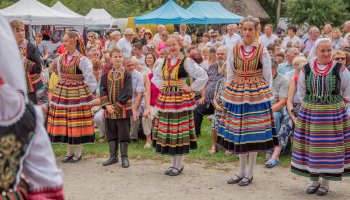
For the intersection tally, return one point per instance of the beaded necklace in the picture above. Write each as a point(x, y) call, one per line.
point(324, 72)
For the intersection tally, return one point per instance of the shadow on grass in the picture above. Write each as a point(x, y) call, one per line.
point(137, 152)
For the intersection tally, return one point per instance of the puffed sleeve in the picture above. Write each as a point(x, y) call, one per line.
point(229, 67)
point(345, 83)
point(301, 89)
point(40, 165)
point(89, 79)
point(57, 66)
point(266, 64)
point(198, 73)
point(157, 73)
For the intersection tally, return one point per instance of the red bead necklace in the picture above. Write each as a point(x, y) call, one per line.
point(322, 72)
point(247, 54)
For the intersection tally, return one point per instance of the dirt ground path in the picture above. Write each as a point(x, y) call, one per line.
point(145, 180)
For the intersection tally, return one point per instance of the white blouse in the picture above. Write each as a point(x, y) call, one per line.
point(39, 165)
point(195, 71)
point(85, 66)
point(265, 60)
point(344, 77)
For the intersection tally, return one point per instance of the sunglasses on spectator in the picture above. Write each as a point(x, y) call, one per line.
point(340, 58)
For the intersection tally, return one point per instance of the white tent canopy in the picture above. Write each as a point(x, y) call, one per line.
point(62, 8)
point(100, 17)
point(32, 12)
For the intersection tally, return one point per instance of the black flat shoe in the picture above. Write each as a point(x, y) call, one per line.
point(111, 160)
point(125, 162)
point(321, 191)
point(75, 159)
point(234, 180)
point(168, 171)
point(245, 181)
point(66, 158)
point(312, 189)
point(176, 172)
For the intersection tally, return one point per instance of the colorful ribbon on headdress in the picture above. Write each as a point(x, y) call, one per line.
point(80, 43)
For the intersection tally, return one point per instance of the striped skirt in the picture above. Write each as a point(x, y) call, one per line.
point(248, 122)
point(321, 144)
point(174, 132)
point(247, 128)
point(70, 117)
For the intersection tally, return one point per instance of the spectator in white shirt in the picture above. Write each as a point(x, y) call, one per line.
point(346, 28)
point(231, 39)
point(268, 37)
point(186, 38)
point(124, 44)
point(157, 36)
point(213, 40)
point(114, 37)
point(137, 52)
point(292, 30)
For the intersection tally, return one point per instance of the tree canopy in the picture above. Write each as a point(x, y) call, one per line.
point(317, 12)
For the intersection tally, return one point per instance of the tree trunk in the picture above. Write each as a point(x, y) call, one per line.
point(278, 10)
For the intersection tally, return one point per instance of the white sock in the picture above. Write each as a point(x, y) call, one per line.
point(69, 150)
point(173, 161)
point(325, 183)
point(242, 164)
point(178, 164)
point(251, 164)
point(78, 150)
point(315, 183)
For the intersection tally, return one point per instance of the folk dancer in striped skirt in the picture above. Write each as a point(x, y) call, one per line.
point(174, 132)
point(27, 163)
point(70, 117)
point(321, 144)
point(249, 125)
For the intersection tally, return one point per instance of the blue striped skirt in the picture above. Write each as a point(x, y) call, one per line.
point(248, 128)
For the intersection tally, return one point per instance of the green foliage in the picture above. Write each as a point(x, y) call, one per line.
point(317, 12)
point(270, 6)
point(117, 8)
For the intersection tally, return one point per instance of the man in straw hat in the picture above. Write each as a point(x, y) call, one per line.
point(124, 44)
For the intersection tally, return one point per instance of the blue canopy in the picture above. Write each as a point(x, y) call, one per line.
point(213, 13)
point(169, 13)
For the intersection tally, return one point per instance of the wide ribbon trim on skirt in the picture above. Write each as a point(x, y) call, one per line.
point(247, 128)
point(321, 143)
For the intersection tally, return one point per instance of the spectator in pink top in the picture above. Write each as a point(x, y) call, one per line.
point(150, 112)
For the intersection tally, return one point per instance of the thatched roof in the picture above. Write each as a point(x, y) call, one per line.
point(245, 7)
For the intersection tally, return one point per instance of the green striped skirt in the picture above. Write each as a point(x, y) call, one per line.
point(174, 133)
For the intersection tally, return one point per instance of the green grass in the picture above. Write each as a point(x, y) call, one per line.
point(136, 151)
